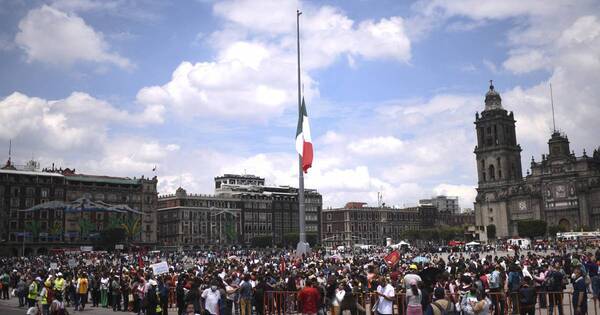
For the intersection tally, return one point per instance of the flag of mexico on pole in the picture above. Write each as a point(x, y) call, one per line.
point(303, 140)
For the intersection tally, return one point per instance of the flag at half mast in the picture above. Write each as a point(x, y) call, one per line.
point(303, 140)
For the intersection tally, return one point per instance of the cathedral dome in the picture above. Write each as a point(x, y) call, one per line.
point(492, 99)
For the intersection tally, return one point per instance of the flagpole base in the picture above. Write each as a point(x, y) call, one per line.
point(302, 248)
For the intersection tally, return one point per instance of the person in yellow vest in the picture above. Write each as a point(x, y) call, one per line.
point(59, 286)
point(45, 297)
point(82, 291)
point(33, 291)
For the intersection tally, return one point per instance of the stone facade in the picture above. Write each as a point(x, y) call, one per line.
point(357, 223)
point(562, 189)
point(242, 210)
point(56, 208)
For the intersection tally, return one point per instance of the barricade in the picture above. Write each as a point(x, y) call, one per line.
point(286, 302)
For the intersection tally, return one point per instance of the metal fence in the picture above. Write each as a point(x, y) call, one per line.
point(286, 302)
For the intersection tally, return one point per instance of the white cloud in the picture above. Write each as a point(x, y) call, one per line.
point(49, 35)
point(376, 146)
point(78, 121)
point(526, 61)
point(466, 193)
point(253, 74)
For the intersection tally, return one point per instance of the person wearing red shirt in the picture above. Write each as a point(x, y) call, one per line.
point(309, 298)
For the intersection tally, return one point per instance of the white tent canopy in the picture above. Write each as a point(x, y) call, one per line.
point(472, 244)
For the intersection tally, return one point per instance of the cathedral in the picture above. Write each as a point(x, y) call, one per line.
point(562, 189)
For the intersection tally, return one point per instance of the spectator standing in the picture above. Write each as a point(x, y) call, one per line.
point(579, 293)
point(386, 294)
point(82, 292)
point(309, 298)
point(527, 297)
point(211, 297)
point(246, 292)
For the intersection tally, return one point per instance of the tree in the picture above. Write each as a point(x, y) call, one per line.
point(491, 231)
point(531, 228)
point(262, 241)
point(552, 230)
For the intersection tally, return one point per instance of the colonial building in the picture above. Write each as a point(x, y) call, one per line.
point(357, 223)
point(443, 203)
point(242, 211)
point(562, 189)
point(51, 208)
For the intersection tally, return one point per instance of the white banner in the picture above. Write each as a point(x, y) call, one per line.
point(160, 268)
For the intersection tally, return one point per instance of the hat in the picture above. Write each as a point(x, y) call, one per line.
point(152, 282)
point(59, 274)
point(38, 279)
point(413, 267)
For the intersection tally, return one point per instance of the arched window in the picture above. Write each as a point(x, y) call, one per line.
point(492, 172)
point(483, 170)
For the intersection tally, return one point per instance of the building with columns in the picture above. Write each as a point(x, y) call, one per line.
point(242, 211)
point(562, 188)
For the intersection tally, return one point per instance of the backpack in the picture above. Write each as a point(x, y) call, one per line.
point(550, 282)
point(514, 280)
point(449, 310)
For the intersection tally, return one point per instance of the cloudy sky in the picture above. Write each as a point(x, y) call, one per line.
point(200, 88)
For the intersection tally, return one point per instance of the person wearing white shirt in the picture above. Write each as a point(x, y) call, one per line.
point(386, 294)
point(211, 298)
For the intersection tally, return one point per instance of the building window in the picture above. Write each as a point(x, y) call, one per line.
point(492, 172)
point(44, 214)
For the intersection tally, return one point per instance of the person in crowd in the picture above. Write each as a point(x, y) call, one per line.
point(440, 305)
point(579, 292)
point(4, 284)
point(309, 299)
point(554, 280)
point(246, 292)
point(82, 291)
point(527, 297)
point(104, 285)
point(115, 291)
point(59, 286)
point(414, 297)
point(386, 296)
point(32, 292)
point(21, 291)
point(211, 297)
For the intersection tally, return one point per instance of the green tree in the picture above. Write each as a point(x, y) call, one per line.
point(261, 241)
point(552, 230)
point(491, 231)
point(531, 228)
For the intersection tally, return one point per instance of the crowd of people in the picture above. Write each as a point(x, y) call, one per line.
point(260, 282)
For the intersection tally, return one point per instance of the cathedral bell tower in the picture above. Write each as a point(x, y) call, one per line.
point(497, 153)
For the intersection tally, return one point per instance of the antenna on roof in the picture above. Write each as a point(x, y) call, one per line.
point(9, 148)
point(552, 102)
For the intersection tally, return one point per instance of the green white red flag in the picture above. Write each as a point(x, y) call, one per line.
point(303, 140)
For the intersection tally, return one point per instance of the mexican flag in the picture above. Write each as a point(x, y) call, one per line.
point(303, 141)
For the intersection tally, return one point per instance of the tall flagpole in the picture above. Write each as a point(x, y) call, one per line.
point(302, 247)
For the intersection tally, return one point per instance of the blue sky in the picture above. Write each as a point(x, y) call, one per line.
point(200, 88)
